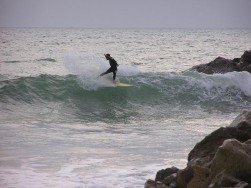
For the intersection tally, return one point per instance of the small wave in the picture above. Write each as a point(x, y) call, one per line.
point(47, 59)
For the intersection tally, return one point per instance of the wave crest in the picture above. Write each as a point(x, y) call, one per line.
point(234, 84)
point(152, 95)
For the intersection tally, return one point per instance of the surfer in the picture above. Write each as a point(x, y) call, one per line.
point(113, 67)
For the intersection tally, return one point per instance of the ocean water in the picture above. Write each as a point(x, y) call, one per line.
point(61, 126)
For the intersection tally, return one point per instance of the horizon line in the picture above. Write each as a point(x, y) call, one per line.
point(150, 28)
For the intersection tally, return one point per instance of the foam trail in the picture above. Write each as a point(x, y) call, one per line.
point(87, 68)
point(238, 80)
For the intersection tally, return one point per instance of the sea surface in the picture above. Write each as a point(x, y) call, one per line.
point(61, 126)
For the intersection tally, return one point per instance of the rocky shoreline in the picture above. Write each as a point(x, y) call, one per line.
point(221, 159)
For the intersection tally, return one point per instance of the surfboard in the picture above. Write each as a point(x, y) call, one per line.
point(121, 84)
point(118, 83)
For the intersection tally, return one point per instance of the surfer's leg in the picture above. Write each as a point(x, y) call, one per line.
point(106, 72)
point(114, 75)
point(103, 74)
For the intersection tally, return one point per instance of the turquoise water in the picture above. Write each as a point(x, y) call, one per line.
point(63, 127)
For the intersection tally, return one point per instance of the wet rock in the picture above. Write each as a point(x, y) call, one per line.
point(204, 151)
point(200, 177)
point(222, 65)
point(150, 184)
point(162, 174)
point(225, 180)
point(184, 176)
point(234, 158)
point(153, 184)
point(171, 180)
point(246, 57)
point(219, 65)
point(242, 121)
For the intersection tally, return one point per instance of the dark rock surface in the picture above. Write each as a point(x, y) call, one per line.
point(221, 159)
point(162, 174)
point(222, 65)
point(232, 160)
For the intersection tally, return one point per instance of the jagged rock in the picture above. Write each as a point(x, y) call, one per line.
point(184, 176)
point(221, 159)
point(200, 177)
point(204, 151)
point(234, 158)
point(150, 184)
point(225, 180)
point(219, 65)
point(246, 57)
point(171, 180)
point(222, 65)
point(242, 121)
point(153, 184)
point(162, 174)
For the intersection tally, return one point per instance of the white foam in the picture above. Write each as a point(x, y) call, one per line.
point(237, 80)
point(128, 70)
point(240, 80)
point(79, 173)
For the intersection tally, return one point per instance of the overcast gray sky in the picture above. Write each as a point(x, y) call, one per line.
point(126, 13)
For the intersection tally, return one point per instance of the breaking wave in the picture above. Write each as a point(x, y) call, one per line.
point(152, 95)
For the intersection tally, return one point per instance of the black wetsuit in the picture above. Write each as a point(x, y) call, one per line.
point(112, 69)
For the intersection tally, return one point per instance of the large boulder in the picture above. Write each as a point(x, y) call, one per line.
point(222, 65)
point(225, 180)
point(200, 177)
point(219, 65)
point(234, 158)
point(221, 159)
point(184, 176)
point(246, 57)
point(243, 121)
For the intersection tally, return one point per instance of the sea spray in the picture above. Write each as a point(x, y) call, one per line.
point(89, 67)
point(221, 82)
point(240, 80)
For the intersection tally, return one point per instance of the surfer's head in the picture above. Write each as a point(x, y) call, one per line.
point(107, 56)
